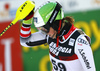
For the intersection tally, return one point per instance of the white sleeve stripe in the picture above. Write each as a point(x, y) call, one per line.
point(25, 32)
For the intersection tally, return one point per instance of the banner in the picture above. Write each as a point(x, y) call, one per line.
point(79, 5)
point(10, 50)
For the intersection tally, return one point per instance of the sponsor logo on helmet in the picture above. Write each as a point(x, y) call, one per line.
point(35, 19)
point(53, 17)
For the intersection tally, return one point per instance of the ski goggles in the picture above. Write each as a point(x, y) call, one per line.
point(44, 30)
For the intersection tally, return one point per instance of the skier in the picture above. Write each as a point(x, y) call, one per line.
point(69, 47)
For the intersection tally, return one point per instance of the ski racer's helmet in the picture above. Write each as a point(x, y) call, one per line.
point(46, 14)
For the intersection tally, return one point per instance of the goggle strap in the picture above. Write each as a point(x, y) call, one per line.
point(54, 14)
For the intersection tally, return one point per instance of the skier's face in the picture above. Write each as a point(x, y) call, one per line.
point(52, 33)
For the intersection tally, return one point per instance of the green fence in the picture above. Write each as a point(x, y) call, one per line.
point(37, 58)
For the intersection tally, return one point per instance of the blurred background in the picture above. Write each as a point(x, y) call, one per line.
point(14, 57)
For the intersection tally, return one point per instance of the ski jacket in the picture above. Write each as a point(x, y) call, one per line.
point(72, 54)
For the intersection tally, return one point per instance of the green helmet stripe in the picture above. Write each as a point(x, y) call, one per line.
point(44, 12)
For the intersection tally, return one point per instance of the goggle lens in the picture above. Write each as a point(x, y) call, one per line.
point(43, 29)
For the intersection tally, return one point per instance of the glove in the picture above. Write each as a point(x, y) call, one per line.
point(30, 15)
point(28, 19)
point(26, 26)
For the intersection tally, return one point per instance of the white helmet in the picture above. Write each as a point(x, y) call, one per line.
point(48, 13)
